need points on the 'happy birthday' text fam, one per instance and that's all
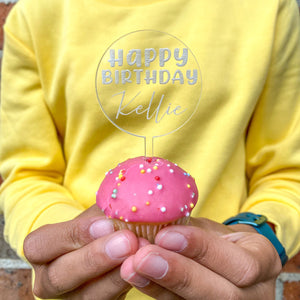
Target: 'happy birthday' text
(139, 62)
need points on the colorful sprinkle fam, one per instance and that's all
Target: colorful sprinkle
(157, 178)
(141, 166)
(155, 167)
(121, 173)
(149, 159)
(150, 192)
(187, 214)
(121, 218)
(115, 191)
(193, 195)
(159, 186)
(192, 205)
(133, 209)
(181, 209)
(123, 178)
(147, 203)
(114, 194)
(171, 171)
(163, 209)
(149, 170)
(188, 186)
(143, 171)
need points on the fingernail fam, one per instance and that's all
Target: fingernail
(101, 228)
(154, 266)
(173, 241)
(137, 280)
(118, 247)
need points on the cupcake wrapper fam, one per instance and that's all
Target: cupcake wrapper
(147, 231)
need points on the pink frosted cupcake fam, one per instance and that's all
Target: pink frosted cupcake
(146, 194)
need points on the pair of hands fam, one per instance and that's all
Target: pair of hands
(86, 259)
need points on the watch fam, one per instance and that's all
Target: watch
(259, 223)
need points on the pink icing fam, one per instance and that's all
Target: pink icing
(147, 190)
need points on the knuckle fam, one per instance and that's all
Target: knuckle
(273, 266)
(29, 247)
(166, 295)
(117, 281)
(234, 294)
(82, 296)
(77, 232)
(55, 286)
(74, 233)
(183, 284)
(32, 246)
(276, 264)
(37, 287)
(89, 297)
(92, 259)
(201, 253)
(252, 271)
(39, 290)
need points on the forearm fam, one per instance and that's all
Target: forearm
(31, 156)
(272, 141)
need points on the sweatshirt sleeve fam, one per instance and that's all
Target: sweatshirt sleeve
(31, 156)
(273, 140)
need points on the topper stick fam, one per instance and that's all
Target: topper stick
(148, 146)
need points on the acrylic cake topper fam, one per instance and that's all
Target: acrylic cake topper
(148, 84)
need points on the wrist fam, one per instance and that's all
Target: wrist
(260, 224)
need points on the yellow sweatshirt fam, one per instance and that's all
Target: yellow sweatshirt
(148, 63)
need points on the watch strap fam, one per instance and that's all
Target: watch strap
(259, 223)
